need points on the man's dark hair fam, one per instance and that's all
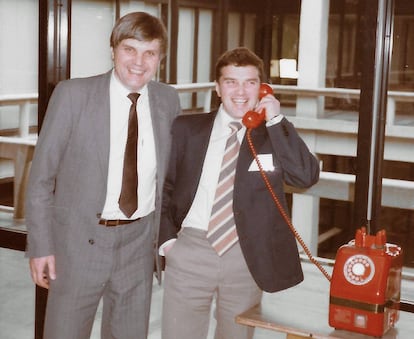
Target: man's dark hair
(140, 26)
(240, 56)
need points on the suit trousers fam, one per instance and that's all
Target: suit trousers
(194, 276)
(117, 267)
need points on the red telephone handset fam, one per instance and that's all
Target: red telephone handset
(253, 119)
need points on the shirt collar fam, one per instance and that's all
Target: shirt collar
(224, 118)
(122, 90)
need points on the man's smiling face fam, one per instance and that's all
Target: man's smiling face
(136, 62)
(238, 88)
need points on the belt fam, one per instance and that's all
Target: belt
(116, 222)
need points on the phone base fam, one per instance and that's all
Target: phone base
(365, 286)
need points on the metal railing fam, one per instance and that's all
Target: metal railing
(24, 100)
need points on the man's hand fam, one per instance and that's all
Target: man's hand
(271, 106)
(42, 269)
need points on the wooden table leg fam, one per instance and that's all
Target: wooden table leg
(40, 310)
(294, 336)
(21, 174)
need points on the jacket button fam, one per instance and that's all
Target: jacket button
(91, 241)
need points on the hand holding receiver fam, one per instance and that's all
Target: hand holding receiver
(253, 119)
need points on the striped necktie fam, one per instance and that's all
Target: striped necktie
(222, 233)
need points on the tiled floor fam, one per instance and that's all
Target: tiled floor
(17, 296)
(17, 300)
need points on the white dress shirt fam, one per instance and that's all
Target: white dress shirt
(119, 112)
(199, 214)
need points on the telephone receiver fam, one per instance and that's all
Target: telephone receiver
(253, 119)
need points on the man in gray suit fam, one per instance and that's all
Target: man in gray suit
(82, 247)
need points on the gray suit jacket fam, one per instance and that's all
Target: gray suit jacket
(67, 184)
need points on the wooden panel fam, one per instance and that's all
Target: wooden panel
(21, 151)
(12, 239)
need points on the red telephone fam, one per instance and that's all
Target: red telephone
(253, 119)
(366, 284)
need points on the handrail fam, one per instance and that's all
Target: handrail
(208, 87)
(28, 141)
(24, 100)
(334, 92)
(15, 99)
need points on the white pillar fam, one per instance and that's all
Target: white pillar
(305, 218)
(313, 40)
(24, 119)
(313, 37)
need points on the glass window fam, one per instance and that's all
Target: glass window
(18, 64)
(18, 119)
(92, 23)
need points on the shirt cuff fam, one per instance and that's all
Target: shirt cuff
(275, 120)
(161, 249)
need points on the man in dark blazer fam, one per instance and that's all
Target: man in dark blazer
(265, 256)
(81, 245)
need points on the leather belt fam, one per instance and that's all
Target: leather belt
(116, 222)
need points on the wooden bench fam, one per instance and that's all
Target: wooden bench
(301, 323)
(20, 150)
(303, 312)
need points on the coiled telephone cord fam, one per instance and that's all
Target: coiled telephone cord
(282, 210)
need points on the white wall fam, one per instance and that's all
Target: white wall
(18, 46)
(18, 55)
(92, 23)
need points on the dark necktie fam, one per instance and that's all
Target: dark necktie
(222, 233)
(128, 199)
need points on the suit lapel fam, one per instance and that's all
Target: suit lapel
(199, 139)
(258, 136)
(160, 125)
(100, 120)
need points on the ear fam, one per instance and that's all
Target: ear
(218, 89)
(112, 53)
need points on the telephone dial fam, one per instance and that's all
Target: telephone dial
(366, 279)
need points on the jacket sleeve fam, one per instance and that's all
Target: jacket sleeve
(168, 229)
(50, 147)
(300, 167)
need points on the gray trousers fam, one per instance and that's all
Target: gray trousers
(119, 269)
(194, 275)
